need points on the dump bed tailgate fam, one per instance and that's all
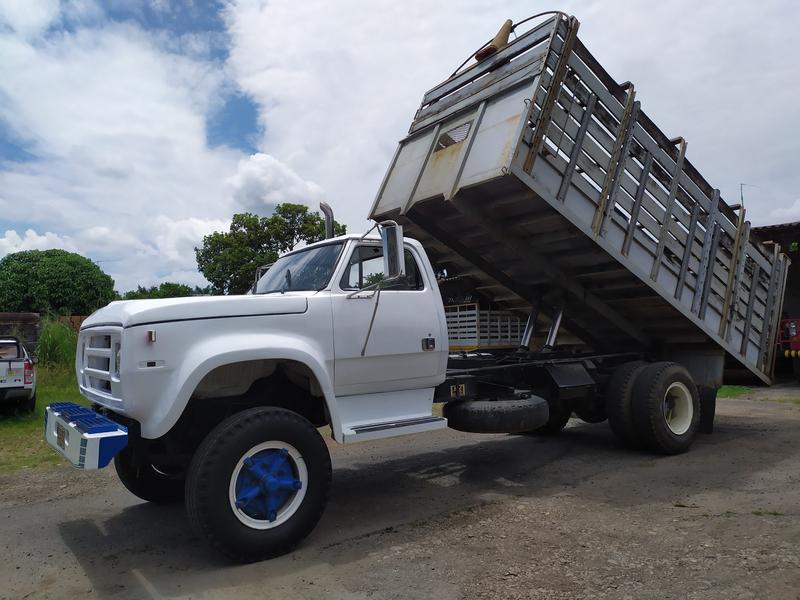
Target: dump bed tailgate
(537, 175)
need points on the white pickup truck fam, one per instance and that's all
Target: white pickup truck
(531, 174)
(17, 375)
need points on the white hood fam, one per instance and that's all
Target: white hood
(128, 313)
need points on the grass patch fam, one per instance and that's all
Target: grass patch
(22, 442)
(768, 513)
(732, 391)
(57, 343)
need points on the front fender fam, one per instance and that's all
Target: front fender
(209, 354)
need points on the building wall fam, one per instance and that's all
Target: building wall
(788, 236)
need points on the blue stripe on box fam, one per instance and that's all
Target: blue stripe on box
(109, 448)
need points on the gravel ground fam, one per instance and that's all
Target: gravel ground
(451, 515)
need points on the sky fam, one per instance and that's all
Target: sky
(131, 129)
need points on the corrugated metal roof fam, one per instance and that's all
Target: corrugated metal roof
(778, 227)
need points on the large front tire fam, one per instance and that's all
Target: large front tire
(258, 483)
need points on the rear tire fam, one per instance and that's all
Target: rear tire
(590, 409)
(666, 408)
(618, 402)
(144, 481)
(27, 406)
(796, 369)
(258, 483)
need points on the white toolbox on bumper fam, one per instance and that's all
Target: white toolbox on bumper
(84, 437)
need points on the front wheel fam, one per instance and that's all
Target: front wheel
(258, 483)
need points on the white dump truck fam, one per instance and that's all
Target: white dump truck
(530, 175)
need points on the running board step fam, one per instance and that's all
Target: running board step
(373, 431)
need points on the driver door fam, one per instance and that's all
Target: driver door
(398, 354)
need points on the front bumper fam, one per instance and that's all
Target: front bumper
(84, 437)
(17, 393)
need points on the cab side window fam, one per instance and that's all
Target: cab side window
(366, 268)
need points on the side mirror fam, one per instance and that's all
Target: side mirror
(394, 264)
(259, 274)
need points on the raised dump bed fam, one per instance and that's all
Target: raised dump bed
(538, 175)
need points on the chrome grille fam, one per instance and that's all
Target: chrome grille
(98, 368)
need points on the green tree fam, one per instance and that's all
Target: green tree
(229, 259)
(163, 290)
(53, 281)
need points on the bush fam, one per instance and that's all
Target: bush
(163, 290)
(53, 282)
(57, 344)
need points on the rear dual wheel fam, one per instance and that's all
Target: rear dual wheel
(655, 406)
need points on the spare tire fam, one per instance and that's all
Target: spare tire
(559, 413)
(497, 416)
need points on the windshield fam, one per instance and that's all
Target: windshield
(308, 270)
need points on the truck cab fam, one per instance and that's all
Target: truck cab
(320, 317)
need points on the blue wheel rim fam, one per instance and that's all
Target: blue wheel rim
(266, 483)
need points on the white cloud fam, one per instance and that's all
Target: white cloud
(262, 181)
(28, 18)
(30, 240)
(116, 118)
(176, 239)
(784, 214)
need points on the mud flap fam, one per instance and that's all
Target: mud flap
(708, 407)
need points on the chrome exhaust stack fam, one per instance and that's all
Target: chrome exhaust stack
(328, 212)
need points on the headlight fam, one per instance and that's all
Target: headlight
(792, 328)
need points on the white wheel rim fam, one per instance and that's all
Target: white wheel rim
(293, 502)
(678, 408)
